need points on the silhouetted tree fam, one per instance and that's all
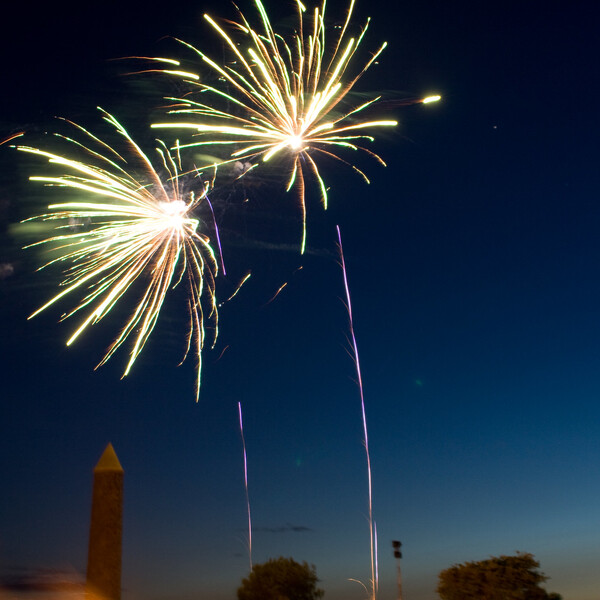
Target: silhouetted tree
(280, 579)
(497, 578)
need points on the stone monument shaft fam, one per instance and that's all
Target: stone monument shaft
(104, 553)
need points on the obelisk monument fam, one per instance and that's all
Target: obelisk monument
(104, 554)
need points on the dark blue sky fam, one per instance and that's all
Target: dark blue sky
(474, 268)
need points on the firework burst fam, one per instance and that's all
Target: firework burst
(130, 233)
(280, 97)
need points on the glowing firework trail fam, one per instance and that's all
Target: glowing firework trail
(281, 98)
(282, 287)
(376, 557)
(130, 233)
(277, 293)
(372, 529)
(246, 485)
(11, 137)
(238, 288)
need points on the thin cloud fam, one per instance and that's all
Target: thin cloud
(25, 580)
(284, 529)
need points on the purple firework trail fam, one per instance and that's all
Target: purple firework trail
(246, 485)
(372, 529)
(217, 235)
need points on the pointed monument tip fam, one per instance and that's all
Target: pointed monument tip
(108, 461)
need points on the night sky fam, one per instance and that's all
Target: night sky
(474, 267)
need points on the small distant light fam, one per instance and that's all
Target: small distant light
(431, 99)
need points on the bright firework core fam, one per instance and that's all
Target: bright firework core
(175, 208)
(295, 142)
(177, 211)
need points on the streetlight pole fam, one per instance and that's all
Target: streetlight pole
(398, 555)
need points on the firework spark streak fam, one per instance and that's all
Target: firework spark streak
(130, 234)
(246, 485)
(11, 137)
(281, 98)
(372, 529)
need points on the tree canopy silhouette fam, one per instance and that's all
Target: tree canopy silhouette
(496, 578)
(280, 579)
